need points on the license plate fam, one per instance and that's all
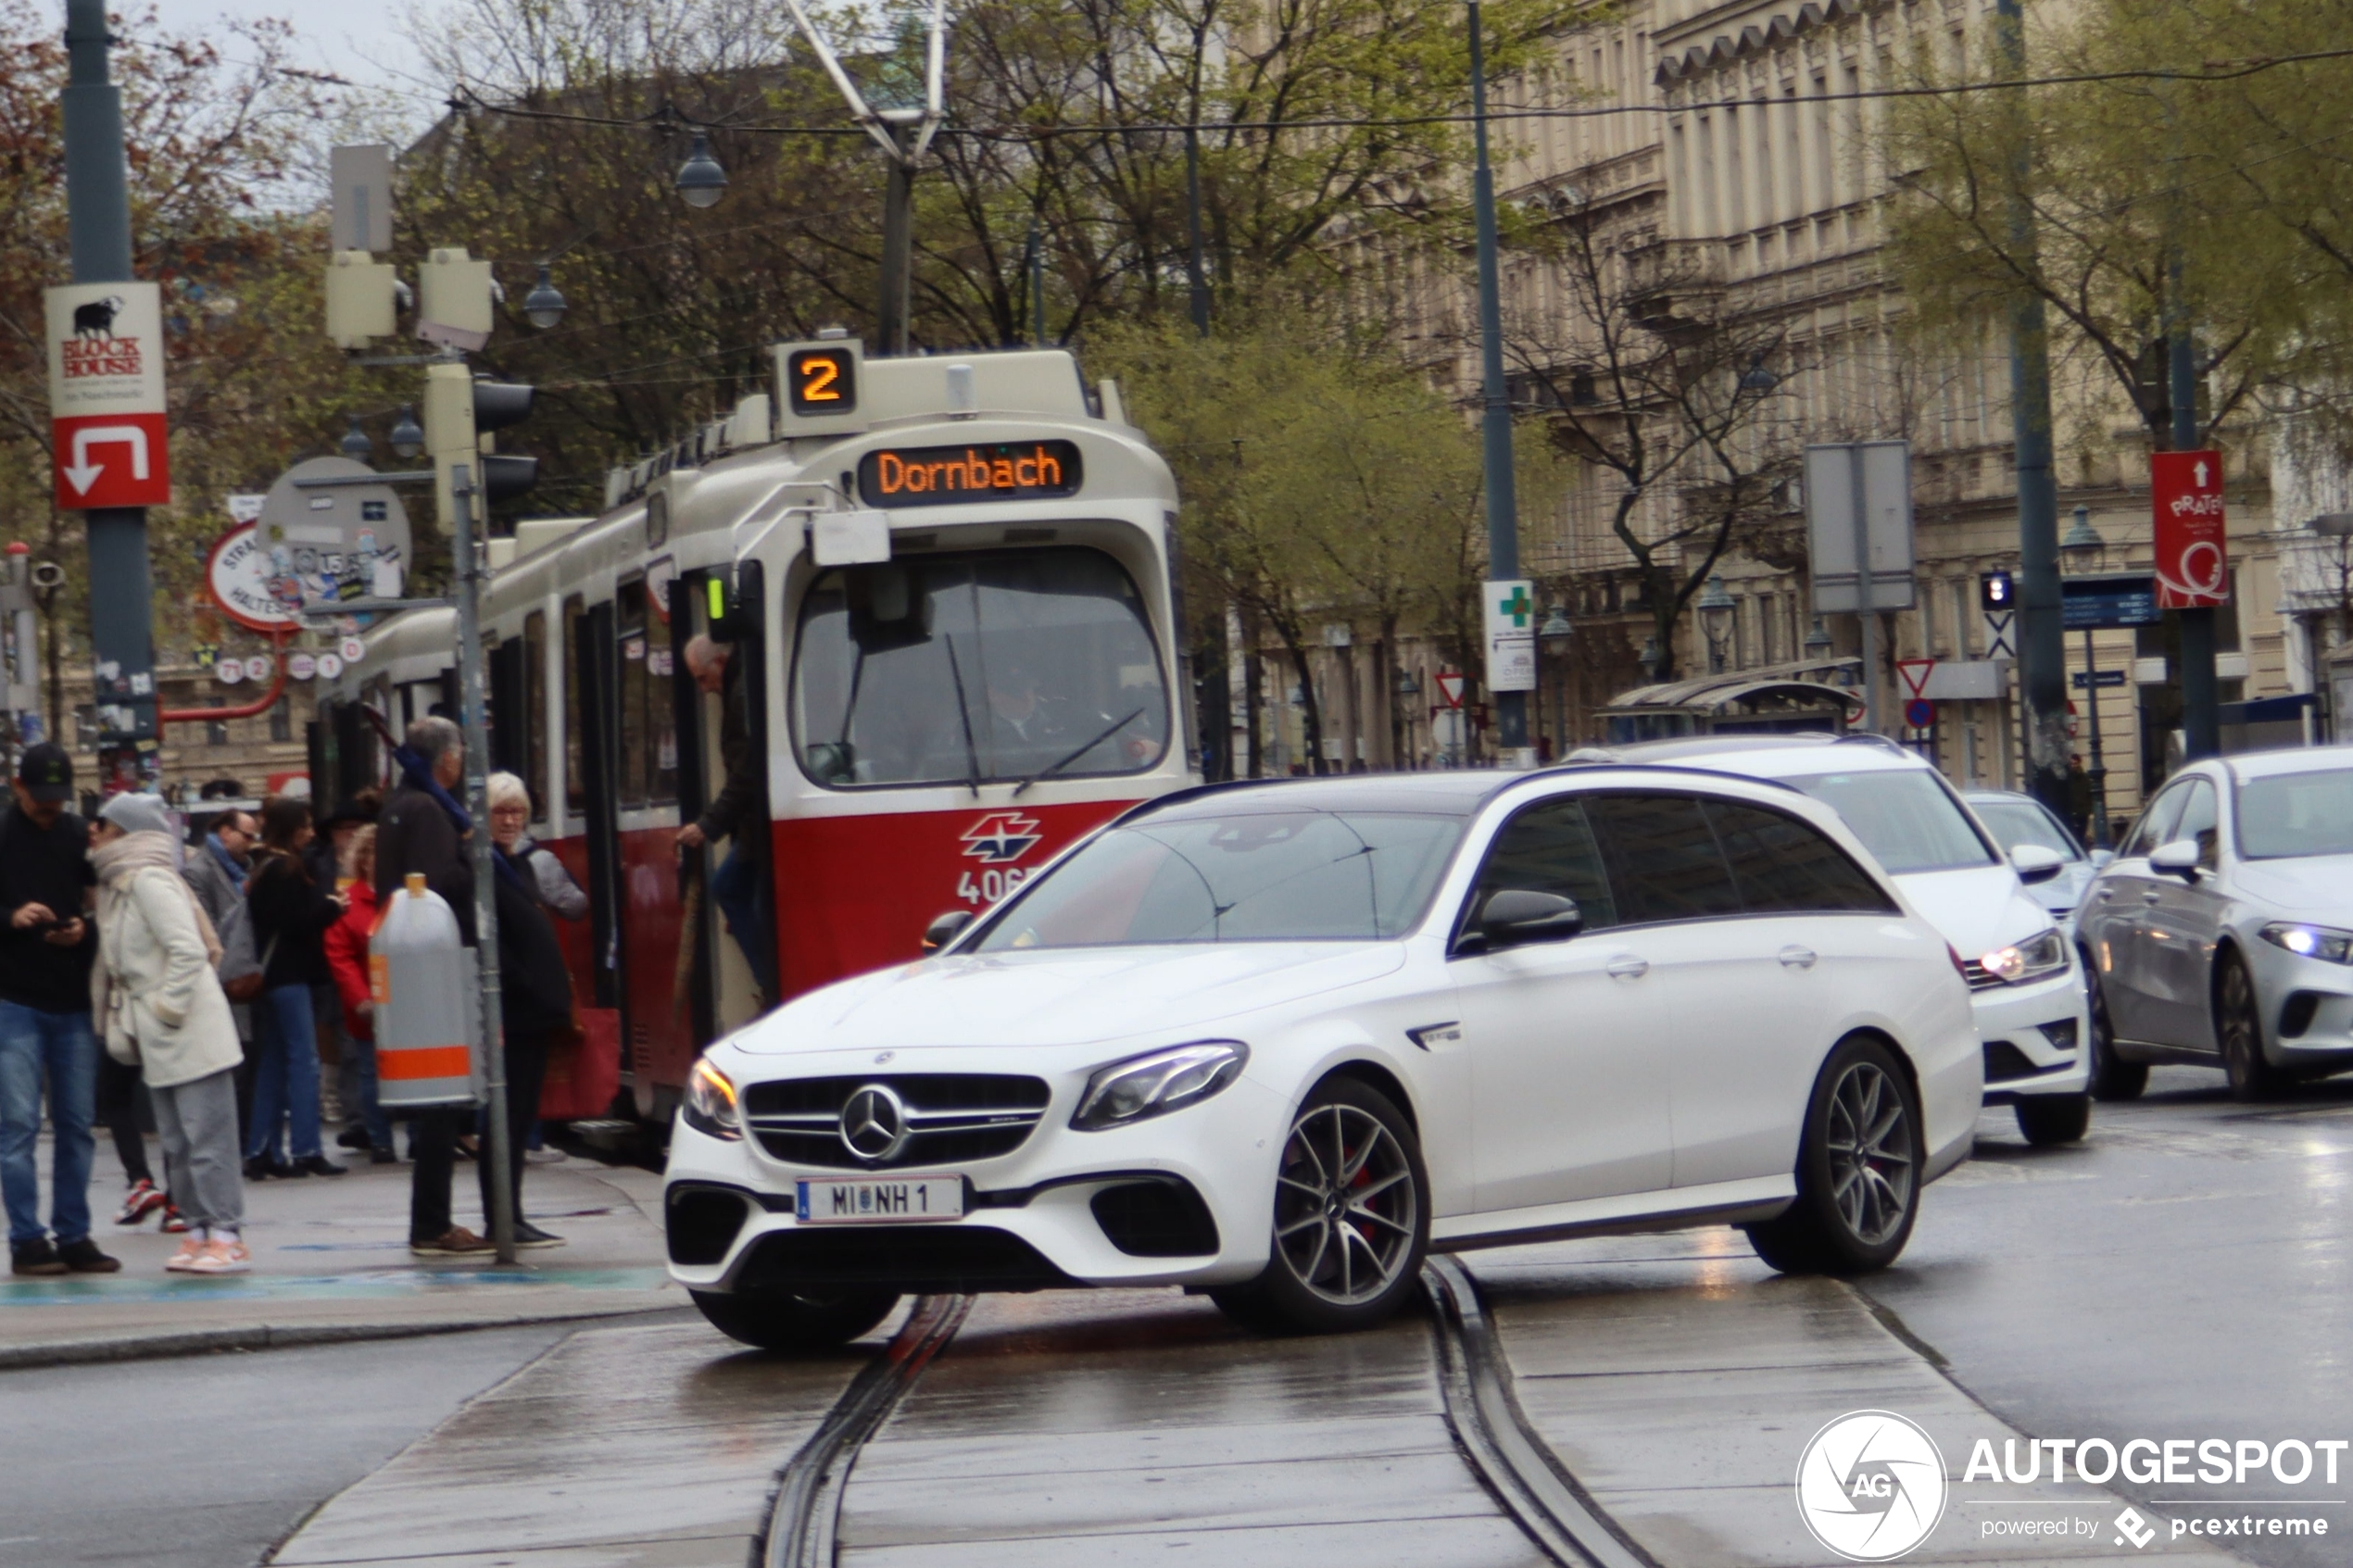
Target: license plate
(868, 1202)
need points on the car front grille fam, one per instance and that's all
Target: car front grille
(952, 1118)
(1979, 978)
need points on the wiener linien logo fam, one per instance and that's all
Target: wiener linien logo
(1871, 1485)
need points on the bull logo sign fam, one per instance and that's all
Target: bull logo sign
(2192, 559)
(108, 436)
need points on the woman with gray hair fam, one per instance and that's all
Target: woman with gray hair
(510, 830)
(156, 1002)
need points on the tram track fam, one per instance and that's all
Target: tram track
(1501, 1443)
(1482, 1415)
(807, 1505)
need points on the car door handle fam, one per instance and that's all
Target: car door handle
(1630, 966)
(1795, 957)
(2154, 896)
(2107, 894)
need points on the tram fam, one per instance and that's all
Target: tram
(947, 587)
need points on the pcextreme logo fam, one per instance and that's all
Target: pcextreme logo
(1871, 1485)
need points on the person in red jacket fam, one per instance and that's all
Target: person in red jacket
(348, 962)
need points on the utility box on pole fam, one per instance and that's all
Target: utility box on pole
(454, 299)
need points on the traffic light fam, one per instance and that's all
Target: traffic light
(460, 412)
(1996, 592)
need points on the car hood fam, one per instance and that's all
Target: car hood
(2318, 886)
(1067, 997)
(1977, 909)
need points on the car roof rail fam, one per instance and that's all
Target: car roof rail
(1872, 737)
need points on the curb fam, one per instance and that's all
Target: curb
(267, 1336)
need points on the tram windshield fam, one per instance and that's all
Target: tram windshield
(976, 667)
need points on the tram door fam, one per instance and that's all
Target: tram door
(726, 994)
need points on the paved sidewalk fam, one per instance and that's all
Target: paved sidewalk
(331, 1262)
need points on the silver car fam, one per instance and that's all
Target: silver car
(2223, 933)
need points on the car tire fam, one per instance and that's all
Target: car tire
(2238, 1028)
(1858, 1169)
(1350, 1219)
(2113, 1078)
(2044, 1120)
(796, 1324)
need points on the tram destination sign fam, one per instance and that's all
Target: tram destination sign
(943, 476)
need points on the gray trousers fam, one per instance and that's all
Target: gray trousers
(197, 1122)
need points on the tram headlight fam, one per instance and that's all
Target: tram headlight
(710, 1106)
(1155, 1085)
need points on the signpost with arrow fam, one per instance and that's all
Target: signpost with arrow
(106, 396)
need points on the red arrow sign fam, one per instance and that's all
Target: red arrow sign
(111, 460)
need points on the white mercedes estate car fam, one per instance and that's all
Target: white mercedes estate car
(2031, 1011)
(1273, 1041)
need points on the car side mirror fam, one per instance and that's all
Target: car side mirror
(1514, 916)
(2177, 858)
(2036, 863)
(945, 929)
(2103, 858)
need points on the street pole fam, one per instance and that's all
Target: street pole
(98, 220)
(1035, 260)
(472, 713)
(1502, 500)
(2098, 773)
(1196, 272)
(890, 320)
(2201, 719)
(2042, 635)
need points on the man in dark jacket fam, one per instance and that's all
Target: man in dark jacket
(46, 947)
(416, 834)
(534, 1015)
(735, 812)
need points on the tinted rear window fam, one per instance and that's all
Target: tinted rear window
(1784, 866)
(1663, 862)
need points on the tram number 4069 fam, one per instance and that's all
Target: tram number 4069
(988, 886)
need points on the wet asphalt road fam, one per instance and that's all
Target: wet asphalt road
(2187, 1272)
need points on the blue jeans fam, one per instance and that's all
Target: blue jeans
(286, 1080)
(58, 1046)
(735, 887)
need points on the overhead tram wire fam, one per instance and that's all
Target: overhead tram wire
(2228, 70)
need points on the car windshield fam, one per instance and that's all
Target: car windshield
(2019, 822)
(2292, 814)
(1276, 875)
(968, 667)
(1903, 816)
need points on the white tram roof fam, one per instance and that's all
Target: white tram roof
(742, 474)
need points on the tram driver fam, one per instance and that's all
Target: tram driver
(733, 812)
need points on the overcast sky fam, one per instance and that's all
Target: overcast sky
(359, 39)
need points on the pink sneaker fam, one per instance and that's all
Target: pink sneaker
(192, 1246)
(222, 1258)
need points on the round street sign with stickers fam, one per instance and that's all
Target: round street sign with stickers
(257, 667)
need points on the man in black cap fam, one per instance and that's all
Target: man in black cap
(46, 946)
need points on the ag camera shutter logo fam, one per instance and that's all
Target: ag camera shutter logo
(1871, 1485)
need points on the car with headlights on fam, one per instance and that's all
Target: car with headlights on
(2028, 994)
(2223, 933)
(1273, 1041)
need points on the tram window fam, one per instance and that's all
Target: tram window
(534, 700)
(977, 666)
(575, 770)
(629, 626)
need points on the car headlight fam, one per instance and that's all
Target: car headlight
(2311, 941)
(2041, 954)
(710, 1106)
(1155, 1085)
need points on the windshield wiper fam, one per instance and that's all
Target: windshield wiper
(1052, 767)
(964, 715)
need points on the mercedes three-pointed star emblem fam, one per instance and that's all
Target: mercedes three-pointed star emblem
(874, 1124)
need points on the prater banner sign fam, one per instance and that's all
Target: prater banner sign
(2193, 566)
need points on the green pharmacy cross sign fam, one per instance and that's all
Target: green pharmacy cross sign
(1517, 605)
(1511, 639)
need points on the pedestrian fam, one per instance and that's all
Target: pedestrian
(291, 914)
(159, 1005)
(535, 1014)
(45, 952)
(346, 946)
(217, 869)
(417, 834)
(118, 1100)
(558, 895)
(733, 812)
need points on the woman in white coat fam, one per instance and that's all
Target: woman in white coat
(157, 1001)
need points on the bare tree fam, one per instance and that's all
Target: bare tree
(1648, 373)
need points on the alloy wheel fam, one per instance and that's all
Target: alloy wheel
(1344, 1205)
(1872, 1169)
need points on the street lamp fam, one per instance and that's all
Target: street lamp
(355, 443)
(1715, 609)
(1756, 378)
(2083, 546)
(408, 435)
(544, 305)
(701, 180)
(1650, 657)
(1554, 636)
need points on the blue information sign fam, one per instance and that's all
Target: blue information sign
(2086, 679)
(2110, 599)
